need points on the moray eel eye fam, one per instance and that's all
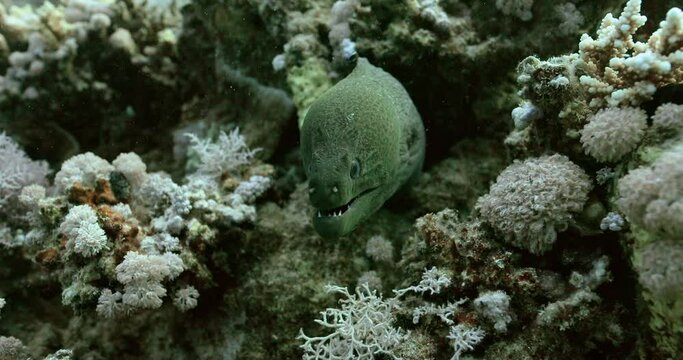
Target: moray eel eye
(355, 169)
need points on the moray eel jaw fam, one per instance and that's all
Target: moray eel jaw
(343, 219)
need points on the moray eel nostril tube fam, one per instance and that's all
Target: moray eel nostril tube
(360, 142)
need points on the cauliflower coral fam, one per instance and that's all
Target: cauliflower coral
(612, 133)
(533, 200)
(660, 268)
(652, 196)
(668, 118)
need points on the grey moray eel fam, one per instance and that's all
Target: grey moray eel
(361, 141)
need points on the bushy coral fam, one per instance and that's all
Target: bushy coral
(652, 196)
(61, 354)
(16, 171)
(494, 305)
(84, 234)
(142, 275)
(660, 273)
(570, 18)
(109, 304)
(534, 199)
(84, 168)
(660, 268)
(668, 118)
(132, 167)
(614, 132)
(128, 224)
(12, 348)
(371, 279)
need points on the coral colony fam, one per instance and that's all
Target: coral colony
(155, 200)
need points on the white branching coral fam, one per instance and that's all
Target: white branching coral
(533, 200)
(84, 234)
(17, 170)
(159, 243)
(652, 196)
(614, 132)
(235, 208)
(433, 280)
(142, 276)
(620, 71)
(84, 168)
(464, 338)
(229, 152)
(444, 312)
(186, 298)
(361, 328)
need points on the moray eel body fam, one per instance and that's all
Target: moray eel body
(360, 142)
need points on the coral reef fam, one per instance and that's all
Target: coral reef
(153, 202)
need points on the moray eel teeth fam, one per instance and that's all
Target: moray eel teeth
(341, 210)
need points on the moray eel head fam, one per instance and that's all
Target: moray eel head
(349, 170)
(361, 141)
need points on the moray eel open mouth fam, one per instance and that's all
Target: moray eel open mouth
(341, 210)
